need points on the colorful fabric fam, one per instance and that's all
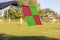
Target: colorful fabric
(31, 15)
(33, 10)
(26, 10)
(30, 20)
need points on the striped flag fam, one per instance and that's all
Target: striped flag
(31, 15)
(6, 4)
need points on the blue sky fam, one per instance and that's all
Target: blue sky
(4, 0)
(52, 4)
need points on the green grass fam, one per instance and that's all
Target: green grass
(47, 29)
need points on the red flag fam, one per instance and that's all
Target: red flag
(31, 15)
(26, 10)
(37, 20)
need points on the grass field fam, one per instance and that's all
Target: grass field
(47, 29)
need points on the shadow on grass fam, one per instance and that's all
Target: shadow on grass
(10, 37)
(57, 28)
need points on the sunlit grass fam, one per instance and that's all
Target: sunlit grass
(47, 29)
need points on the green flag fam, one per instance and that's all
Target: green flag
(30, 20)
(33, 10)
